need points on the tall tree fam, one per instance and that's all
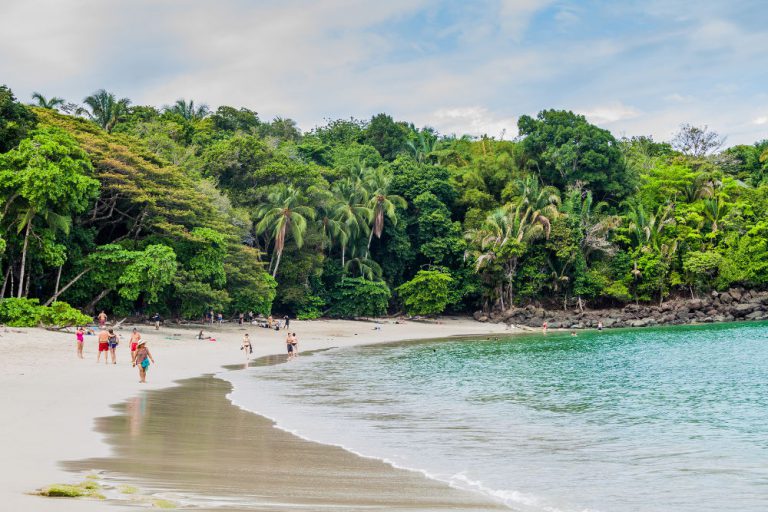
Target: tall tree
(44, 102)
(188, 110)
(105, 109)
(15, 120)
(381, 202)
(46, 178)
(284, 214)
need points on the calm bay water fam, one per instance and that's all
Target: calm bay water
(672, 420)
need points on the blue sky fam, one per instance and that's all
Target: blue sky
(636, 68)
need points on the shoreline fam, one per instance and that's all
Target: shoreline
(51, 398)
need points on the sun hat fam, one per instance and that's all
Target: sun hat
(140, 343)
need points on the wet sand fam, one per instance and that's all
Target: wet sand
(189, 444)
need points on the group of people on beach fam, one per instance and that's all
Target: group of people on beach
(108, 341)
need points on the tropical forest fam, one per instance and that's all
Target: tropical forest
(180, 209)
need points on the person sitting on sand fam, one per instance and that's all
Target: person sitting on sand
(142, 358)
(102, 319)
(103, 346)
(134, 341)
(113, 341)
(80, 336)
(246, 346)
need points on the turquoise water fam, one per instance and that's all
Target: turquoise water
(671, 419)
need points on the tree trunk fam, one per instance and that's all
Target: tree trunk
(277, 263)
(5, 281)
(58, 280)
(26, 286)
(24, 258)
(370, 239)
(343, 254)
(91, 307)
(66, 287)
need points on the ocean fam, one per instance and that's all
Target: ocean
(669, 419)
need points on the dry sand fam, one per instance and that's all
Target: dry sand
(50, 398)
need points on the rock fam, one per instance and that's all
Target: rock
(682, 313)
(477, 314)
(735, 293)
(726, 298)
(757, 315)
(741, 310)
(695, 304)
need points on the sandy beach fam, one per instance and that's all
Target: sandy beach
(51, 399)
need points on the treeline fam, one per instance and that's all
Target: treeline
(180, 209)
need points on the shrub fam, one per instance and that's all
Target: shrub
(20, 312)
(28, 313)
(428, 293)
(61, 314)
(356, 296)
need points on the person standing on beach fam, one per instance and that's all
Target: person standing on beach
(544, 327)
(212, 316)
(113, 339)
(220, 318)
(103, 346)
(156, 319)
(135, 339)
(142, 358)
(287, 321)
(289, 345)
(246, 346)
(241, 319)
(102, 319)
(80, 335)
(295, 344)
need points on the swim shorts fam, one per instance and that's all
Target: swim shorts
(113, 345)
(134, 346)
(290, 348)
(103, 347)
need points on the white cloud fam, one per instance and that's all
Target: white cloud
(760, 120)
(475, 121)
(609, 113)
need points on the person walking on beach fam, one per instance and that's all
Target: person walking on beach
(295, 344)
(212, 316)
(287, 321)
(241, 319)
(102, 319)
(156, 319)
(103, 346)
(80, 336)
(135, 339)
(270, 321)
(142, 358)
(289, 345)
(113, 339)
(220, 318)
(246, 346)
(544, 327)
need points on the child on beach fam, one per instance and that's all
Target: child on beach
(142, 358)
(80, 335)
(103, 346)
(246, 346)
(135, 339)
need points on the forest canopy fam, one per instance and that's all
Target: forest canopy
(179, 209)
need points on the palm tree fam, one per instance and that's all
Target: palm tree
(51, 103)
(501, 241)
(647, 229)
(188, 110)
(351, 212)
(284, 214)
(106, 109)
(715, 211)
(422, 148)
(595, 226)
(381, 202)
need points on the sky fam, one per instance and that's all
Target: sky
(474, 67)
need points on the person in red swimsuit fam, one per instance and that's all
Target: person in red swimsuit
(103, 345)
(135, 338)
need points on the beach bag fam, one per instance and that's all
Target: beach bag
(145, 363)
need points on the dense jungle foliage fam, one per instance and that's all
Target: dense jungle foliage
(137, 209)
